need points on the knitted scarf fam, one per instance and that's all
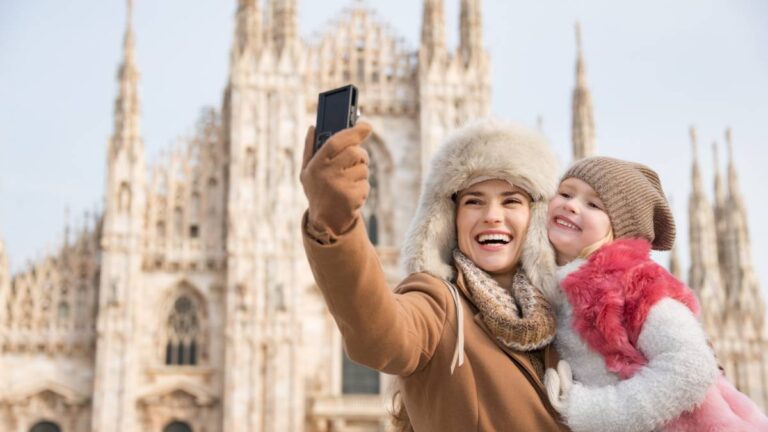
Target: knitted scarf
(520, 318)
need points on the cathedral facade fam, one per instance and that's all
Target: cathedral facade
(187, 304)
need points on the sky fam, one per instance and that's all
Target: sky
(654, 68)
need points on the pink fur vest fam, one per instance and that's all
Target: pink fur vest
(611, 296)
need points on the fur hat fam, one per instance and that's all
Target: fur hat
(484, 149)
(633, 198)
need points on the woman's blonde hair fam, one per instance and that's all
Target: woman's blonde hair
(589, 250)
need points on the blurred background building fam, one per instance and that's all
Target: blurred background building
(187, 305)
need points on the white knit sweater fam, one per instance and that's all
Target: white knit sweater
(681, 367)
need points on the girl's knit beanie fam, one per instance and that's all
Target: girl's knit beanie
(633, 198)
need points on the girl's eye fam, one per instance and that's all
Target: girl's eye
(594, 206)
(472, 201)
(565, 195)
(512, 201)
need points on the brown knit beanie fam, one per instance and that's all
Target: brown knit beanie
(632, 196)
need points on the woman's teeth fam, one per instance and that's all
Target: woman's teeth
(494, 238)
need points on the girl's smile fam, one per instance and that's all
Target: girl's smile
(577, 219)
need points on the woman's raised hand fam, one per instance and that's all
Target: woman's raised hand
(335, 179)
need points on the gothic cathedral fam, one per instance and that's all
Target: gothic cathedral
(187, 304)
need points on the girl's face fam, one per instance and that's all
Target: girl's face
(491, 222)
(577, 219)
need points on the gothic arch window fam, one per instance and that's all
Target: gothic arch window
(250, 162)
(196, 205)
(45, 426)
(177, 426)
(183, 332)
(372, 226)
(63, 312)
(27, 309)
(160, 228)
(358, 379)
(178, 222)
(212, 195)
(373, 202)
(194, 226)
(124, 198)
(379, 167)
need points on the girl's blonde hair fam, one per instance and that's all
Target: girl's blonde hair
(589, 250)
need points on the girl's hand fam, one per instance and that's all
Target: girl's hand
(558, 384)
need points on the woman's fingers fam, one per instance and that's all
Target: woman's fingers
(350, 157)
(335, 178)
(309, 146)
(357, 173)
(353, 136)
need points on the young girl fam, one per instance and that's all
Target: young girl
(627, 328)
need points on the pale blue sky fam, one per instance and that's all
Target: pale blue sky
(654, 68)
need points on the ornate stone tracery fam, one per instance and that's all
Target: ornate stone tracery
(184, 339)
(43, 406)
(194, 279)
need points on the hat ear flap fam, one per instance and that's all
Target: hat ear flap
(538, 257)
(431, 238)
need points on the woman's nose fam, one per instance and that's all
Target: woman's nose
(494, 213)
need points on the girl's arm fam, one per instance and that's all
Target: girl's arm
(681, 367)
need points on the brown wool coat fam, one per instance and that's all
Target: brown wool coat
(412, 333)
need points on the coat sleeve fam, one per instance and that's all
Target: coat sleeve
(396, 333)
(680, 369)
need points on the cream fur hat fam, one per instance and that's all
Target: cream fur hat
(484, 149)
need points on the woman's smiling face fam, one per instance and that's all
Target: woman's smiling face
(492, 219)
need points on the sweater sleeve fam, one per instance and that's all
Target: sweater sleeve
(393, 332)
(680, 369)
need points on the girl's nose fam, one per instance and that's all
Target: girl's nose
(570, 206)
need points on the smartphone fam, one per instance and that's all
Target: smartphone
(336, 110)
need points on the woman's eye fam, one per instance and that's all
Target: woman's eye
(471, 202)
(512, 201)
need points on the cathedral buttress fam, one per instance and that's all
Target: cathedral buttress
(114, 381)
(741, 281)
(249, 31)
(746, 306)
(454, 88)
(471, 31)
(264, 113)
(721, 214)
(704, 272)
(433, 46)
(283, 28)
(582, 120)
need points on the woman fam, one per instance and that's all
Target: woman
(467, 332)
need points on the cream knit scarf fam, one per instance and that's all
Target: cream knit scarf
(520, 318)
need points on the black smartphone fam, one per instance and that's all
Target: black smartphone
(336, 110)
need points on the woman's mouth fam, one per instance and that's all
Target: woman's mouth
(492, 241)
